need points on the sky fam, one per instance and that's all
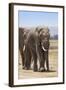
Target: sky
(34, 19)
(31, 19)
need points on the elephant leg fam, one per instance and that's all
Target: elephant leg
(34, 54)
(47, 61)
(42, 61)
(27, 56)
(22, 56)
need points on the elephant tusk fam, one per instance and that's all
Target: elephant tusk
(24, 48)
(44, 49)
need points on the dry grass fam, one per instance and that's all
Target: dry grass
(53, 65)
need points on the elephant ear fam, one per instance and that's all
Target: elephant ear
(47, 32)
(38, 29)
(43, 31)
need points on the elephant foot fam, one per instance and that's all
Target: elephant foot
(23, 67)
(35, 69)
(26, 68)
(42, 69)
(47, 70)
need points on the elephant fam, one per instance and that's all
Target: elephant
(44, 37)
(22, 37)
(34, 45)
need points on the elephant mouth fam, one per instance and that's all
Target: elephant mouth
(44, 49)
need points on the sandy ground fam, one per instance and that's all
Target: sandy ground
(53, 65)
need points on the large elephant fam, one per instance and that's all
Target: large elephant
(34, 45)
(44, 37)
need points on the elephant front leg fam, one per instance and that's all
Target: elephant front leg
(22, 57)
(42, 62)
(47, 60)
(27, 56)
(35, 61)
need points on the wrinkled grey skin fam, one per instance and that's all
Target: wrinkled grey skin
(34, 44)
(43, 48)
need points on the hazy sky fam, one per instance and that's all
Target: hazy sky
(34, 19)
(30, 19)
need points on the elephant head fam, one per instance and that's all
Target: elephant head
(44, 38)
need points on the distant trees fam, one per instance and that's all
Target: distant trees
(54, 37)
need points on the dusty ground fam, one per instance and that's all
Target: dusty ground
(53, 65)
